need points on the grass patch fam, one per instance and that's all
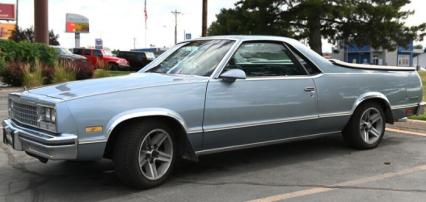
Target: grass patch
(423, 116)
(101, 73)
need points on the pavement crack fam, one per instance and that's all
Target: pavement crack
(299, 185)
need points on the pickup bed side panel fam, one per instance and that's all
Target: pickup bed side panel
(338, 93)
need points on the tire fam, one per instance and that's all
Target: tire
(136, 144)
(366, 127)
(113, 66)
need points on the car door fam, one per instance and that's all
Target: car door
(88, 54)
(276, 101)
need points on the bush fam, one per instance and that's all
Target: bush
(32, 76)
(27, 52)
(15, 58)
(83, 69)
(63, 72)
(12, 73)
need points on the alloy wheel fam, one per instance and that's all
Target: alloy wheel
(371, 125)
(155, 154)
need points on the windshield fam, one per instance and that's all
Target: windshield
(107, 53)
(195, 58)
(63, 51)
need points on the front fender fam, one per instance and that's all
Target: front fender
(144, 112)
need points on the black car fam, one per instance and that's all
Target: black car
(137, 60)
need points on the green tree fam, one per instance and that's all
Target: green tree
(251, 17)
(28, 35)
(379, 23)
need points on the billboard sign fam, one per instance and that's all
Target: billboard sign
(7, 11)
(76, 23)
(6, 30)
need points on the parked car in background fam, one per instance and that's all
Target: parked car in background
(210, 95)
(137, 60)
(157, 51)
(102, 57)
(66, 54)
(84, 69)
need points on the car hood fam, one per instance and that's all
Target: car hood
(112, 58)
(72, 56)
(77, 89)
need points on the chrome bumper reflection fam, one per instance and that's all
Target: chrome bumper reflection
(421, 108)
(62, 147)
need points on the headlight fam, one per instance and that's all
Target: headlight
(47, 118)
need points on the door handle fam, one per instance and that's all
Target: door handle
(310, 89)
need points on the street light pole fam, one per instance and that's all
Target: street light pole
(176, 13)
(204, 18)
(41, 21)
(17, 15)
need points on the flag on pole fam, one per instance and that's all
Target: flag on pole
(146, 14)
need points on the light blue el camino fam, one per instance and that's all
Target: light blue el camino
(210, 95)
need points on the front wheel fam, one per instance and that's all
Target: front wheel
(113, 66)
(144, 154)
(366, 127)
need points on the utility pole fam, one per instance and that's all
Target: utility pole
(176, 13)
(17, 15)
(41, 21)
(204, 18)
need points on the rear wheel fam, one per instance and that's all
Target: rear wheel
(144, 154)
(366, 127)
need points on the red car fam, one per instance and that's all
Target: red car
(102, 58)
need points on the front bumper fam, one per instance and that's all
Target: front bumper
(420, 108)
(40, 144)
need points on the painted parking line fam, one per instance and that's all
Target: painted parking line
(405, 132)
(316, 190)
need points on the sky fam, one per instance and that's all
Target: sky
(121, 25)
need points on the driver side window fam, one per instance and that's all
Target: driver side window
(265, 59)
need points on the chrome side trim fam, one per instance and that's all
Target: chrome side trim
(274, 121)
(195, 130)
(257, 123)
(264, 143)
(335, 114)
(92, 141)
(404, 106)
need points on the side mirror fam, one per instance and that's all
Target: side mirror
(233, 74)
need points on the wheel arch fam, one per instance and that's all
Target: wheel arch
(378, 98)
(172, 118)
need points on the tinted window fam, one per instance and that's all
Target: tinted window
(77, 51)
(309, 66)
(97, 53)
(260, 59)
(86, 52)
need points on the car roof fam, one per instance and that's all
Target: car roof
(247, 38)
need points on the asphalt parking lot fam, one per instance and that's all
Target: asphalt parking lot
(316, 170)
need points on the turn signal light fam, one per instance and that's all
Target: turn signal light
(94, 129)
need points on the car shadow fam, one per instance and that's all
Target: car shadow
(81, 180)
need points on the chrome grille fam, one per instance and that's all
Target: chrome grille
(24, 113)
